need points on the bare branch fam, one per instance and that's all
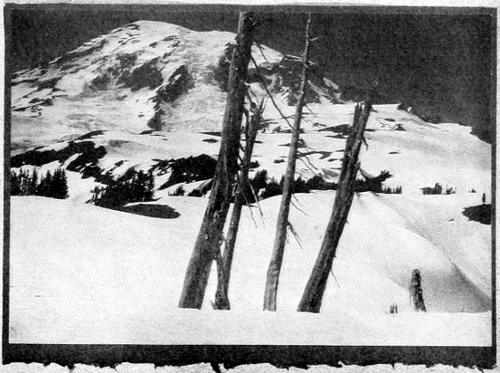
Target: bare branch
(334, 277)
(270, 95)
(295, 234)
(261, 51)
(298, 208)
(241, 191)
(297, 200)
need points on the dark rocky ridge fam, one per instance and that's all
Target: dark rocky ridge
(283, 77)
(146, 75)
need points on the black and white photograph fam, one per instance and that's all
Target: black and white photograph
(181, 175)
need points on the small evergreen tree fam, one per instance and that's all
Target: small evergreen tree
(133, 186)
(26, 184)
(24, 177)
(32, 183)
(43, 188)
(300, 186)
(195, 193)
(179, 191)
(15, 184)
(259, 180)
(150, 185)
(59, 184)
(272, 188)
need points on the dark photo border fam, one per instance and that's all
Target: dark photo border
(232, 355)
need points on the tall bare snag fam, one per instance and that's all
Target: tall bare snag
(224, 263)
(315, 288)
(209, 238)
(274, 269)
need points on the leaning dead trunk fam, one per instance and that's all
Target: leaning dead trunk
(315, 288)
(225, 262)
(274, 269)
(209, 238)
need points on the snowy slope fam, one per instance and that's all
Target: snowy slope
(418, 157)
(150, 94)
(89, 274)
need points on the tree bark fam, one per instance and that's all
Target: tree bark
(225, 263)
(274, 269)
(207, 245)
(315, 288)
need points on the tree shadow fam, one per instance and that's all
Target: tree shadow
(479, 213)
(151, 210)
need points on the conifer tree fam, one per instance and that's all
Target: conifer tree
(33, 181)
(15, 186)
(45, 185)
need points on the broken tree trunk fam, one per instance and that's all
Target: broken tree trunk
(210, 236)
(315, 288)
(416, 294)
(225, 262)
(274, 269)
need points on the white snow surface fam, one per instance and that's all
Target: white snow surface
(93, 275)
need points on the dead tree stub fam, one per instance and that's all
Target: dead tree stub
(416, 294)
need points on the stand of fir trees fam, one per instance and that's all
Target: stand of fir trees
(133, 186)
(52, 184)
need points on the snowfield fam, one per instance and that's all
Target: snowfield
(93, 275)
(149, 94)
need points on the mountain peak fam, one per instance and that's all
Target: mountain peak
(151, 75)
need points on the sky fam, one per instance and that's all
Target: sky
(440, 64)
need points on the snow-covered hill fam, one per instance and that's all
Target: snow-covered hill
(150, 95)
(93, 275)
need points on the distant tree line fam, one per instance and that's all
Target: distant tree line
(133, 186)
(52, 184)
(265, 187)
(179, 191)
(438, 189)
(261, 186)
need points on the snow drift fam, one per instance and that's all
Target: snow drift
(102, 276)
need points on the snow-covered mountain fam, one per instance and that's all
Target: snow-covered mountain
(141, 88)
(149, 92)
(149, 95)
(145, 75)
